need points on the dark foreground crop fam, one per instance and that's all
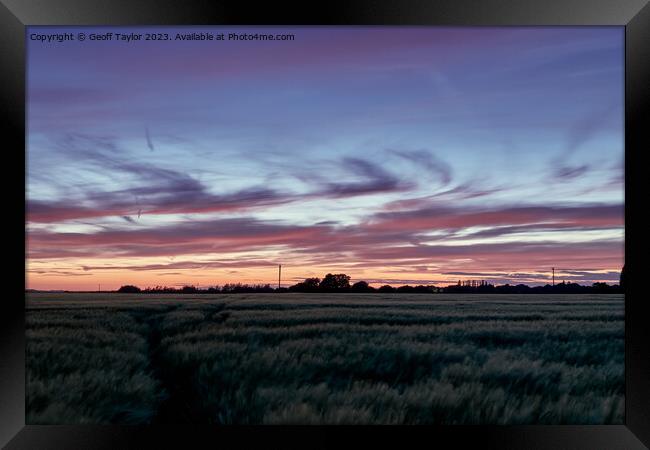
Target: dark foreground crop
(325, 358)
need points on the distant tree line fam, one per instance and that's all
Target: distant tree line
(341, 283)
(559, 288)
(229, 288)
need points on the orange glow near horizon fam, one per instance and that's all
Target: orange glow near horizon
(55, 278)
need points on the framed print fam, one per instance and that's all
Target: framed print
(258, 225)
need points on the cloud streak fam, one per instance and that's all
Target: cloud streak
(446, 217)
(374, 180)
(152, 200)
(378, 241)
(159, 190)
(423, 159)
(570, 172)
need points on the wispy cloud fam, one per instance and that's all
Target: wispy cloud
(427, 161)
(446, 217)
(154, 189)
(374, 180)
(589, 125)
(570, 172)
(148, 137)
(185, 265)
(388, 239)
(153, 200)
(444, 198)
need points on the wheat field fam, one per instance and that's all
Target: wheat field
(288, 358)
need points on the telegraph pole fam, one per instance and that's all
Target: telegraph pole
(553, 276)
(279, 275)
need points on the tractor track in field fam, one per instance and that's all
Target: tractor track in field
(181, 402)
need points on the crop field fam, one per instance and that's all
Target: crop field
(325, 359)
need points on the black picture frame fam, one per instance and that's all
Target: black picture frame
(634, 15)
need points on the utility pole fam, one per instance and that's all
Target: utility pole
(99, 287)
(279, 275)
(553, 276)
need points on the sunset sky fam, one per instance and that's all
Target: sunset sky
(395, 155)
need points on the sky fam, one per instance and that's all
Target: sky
(396, 155)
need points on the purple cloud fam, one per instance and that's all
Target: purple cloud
(423, 159)
(375, 180)
(570, 172)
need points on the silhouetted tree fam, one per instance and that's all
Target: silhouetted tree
(405, 289)
(231, 288)
(238, 288)
(129, 289)
(265, 288)
(336, 282)
(424, 289)
(189, 290)
(312, 282)
(602, 288)
(309, 285)
(386, 288)
(362, 286)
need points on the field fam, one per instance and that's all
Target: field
(325, 359)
